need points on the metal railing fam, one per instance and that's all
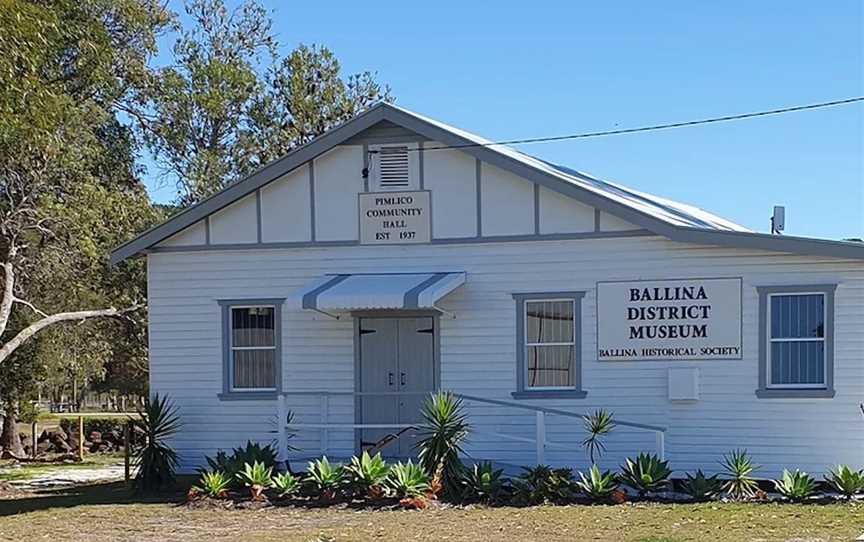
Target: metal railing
(540, 440)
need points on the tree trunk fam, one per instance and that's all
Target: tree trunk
(10, 438)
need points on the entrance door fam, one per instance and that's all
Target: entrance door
(397, 359)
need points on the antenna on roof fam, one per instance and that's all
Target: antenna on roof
(778, 220)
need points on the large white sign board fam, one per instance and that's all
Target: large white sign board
(391, 218)
(669, 319)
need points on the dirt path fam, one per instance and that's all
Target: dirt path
(67, 477)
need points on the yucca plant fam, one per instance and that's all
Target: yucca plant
(646, 474)
(257, 477)
(542, 484)
(285, 485)
(408, 480)
(213, 484)
(701, 487)
(325, 478)
(846, 481)
(483, 483)
(251, 453)
(442, 433)
(156, 461)
(598, 424)
(597, 485)
(739, 468)
(369, 473)
(795, 485)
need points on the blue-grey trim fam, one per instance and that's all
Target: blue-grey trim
(763, 391)
(394, 115)
(536, 209)
(596, 219)
(522, 391)
(207, 230)
(478, 173)
(412, 296)
(256, 395)
(366, 167)
(421, 166)
(258, 217)
(310, 298)
(312, 233)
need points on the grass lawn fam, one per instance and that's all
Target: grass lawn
(9, 471)
(109, 512)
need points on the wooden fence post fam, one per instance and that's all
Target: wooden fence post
(126, 452)
(34, 434)
(80, 438)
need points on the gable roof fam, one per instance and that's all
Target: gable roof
(671, 219)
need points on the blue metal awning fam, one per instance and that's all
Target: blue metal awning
(347, 292)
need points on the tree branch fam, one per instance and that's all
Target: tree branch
(8, 294)
(34, 328)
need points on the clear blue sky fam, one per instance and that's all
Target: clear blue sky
(513, 70)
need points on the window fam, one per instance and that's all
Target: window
(252, 354)
(393, 167)
(796, 351)
(548, 342)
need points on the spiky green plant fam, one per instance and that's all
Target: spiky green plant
(739, 468)
(598, 425)
(408, 480)
(325, 478)
(646, 474)
(795, 485)
(257, 477)
(369, 473)
(701, 487)
(156, 461)
(483, 483)
(597, 485)
(285, 485)
(846, 481)
(251, 453)
(442, 434)
(213, 484)
(543, 484)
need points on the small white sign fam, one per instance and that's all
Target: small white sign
(392, 218)
(684, 319)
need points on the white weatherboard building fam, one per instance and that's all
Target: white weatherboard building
(395, 255)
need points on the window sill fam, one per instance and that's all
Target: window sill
(248, 396)
(549, 394)
(795, 394)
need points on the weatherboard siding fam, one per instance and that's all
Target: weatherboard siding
(478, 350)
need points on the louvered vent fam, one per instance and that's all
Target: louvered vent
(393, 168)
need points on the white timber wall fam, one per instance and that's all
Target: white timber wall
(478, 350)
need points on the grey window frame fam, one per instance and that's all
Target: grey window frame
(524, 392)
(228, 392)
(765, 389)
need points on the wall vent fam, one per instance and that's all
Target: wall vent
(394, 171)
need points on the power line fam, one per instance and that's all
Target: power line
(651, 127)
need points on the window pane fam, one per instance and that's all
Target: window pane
(549, 321)
(797, 316)
(254, 369)
(798, 362)
(549, 366)
(252, 326)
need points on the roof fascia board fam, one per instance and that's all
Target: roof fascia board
(774, 243)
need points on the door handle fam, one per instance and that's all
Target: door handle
(402, 379)
(389, 379)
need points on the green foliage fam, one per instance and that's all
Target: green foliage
(846, 481)
(156, 461)
(256, 474)
(739, 468)
(483, 483)
(597, 485)
(795, 485)
(646, 474)
(598, 425)
(701, 487)
(324, 477)
(368, 472)
(251, 453)
(408, 480)
(543, 484)
(442, 433)
(213, 484)
(285, 484)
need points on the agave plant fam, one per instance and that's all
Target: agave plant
(442, 433)
(325, 478)
(701, 487)
(846, 481)
(156, 461)
(213, 484)
(408, 480)
(285, 485)
(543, 484)
(369, 473)
(251, 453)
(598, 424)
(795, 485)
(257, 477)
(646, 474)
(483, 483)
(597, 485)
(739, 468)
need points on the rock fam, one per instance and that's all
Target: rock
(95, 436)
(44, 446)
(61, 446)
(58, 433)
